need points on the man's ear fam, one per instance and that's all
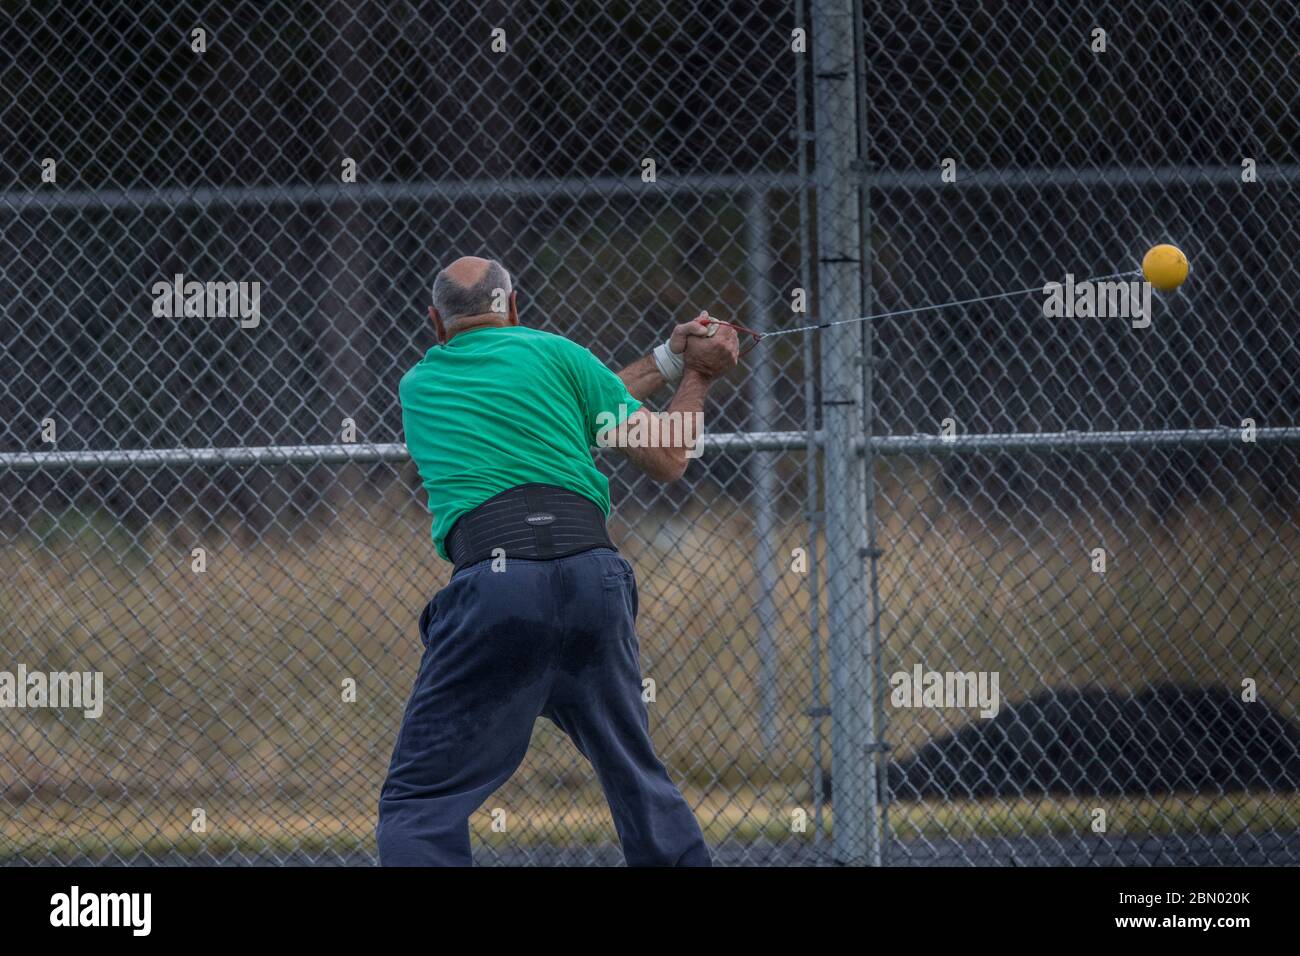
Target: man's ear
(439, 329)
(512, 309)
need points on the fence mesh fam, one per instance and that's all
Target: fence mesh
(631, 164)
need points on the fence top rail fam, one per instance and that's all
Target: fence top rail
(19, 201)
(368, 453)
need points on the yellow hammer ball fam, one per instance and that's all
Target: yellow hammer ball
(1164, 266)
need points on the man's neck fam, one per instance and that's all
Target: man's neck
(468, 323)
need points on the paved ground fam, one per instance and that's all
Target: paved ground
(1180, 850)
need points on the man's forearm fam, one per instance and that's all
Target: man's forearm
(690, 394)
(688, 400)
(666, 458)
(646, 375)
(643, 378)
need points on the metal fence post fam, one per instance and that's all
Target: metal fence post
(758, 256)
(877, 748)
(840, 294)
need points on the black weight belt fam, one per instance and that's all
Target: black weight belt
(528, 521)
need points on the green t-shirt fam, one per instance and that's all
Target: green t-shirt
(498, 407)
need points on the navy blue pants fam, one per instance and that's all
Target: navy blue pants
(555, 639)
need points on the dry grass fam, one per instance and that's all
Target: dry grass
(225, 688)
(63, 830)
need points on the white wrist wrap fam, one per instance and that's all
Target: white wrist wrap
(670, 364)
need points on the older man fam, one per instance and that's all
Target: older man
(539, 616)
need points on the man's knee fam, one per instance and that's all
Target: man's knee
(696, 855)
(409, 835)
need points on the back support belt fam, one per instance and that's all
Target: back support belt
(528, 521)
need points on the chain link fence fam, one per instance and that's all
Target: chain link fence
(215, 513)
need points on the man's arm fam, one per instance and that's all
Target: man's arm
(665, 459)
(643, 378)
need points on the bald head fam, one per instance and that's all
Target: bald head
(471, 286)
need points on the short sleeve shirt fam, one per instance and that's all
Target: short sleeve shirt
(498, 407)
